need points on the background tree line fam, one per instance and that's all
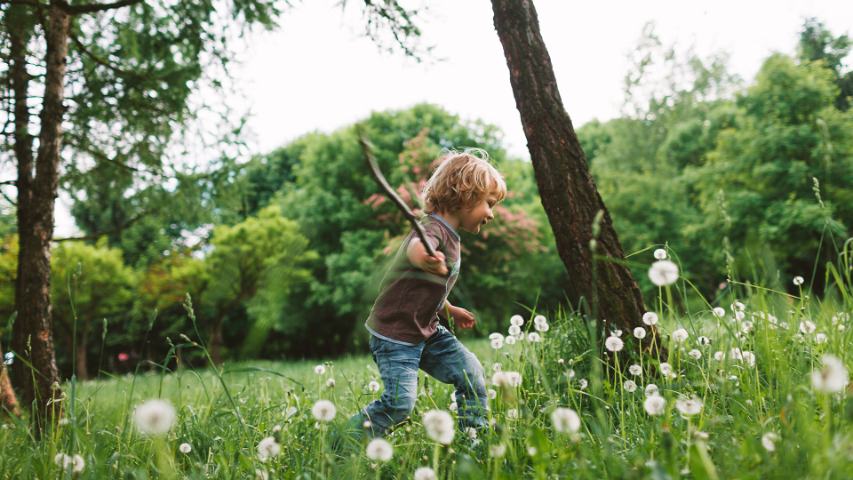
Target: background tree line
(281, 253)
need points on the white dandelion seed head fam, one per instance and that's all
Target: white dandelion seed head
(688, 406)
(514, 330)
(324, 410)
(660, 254)
(425, 473)
(719, 312)
(663, 273)
(534, 337)
(453, 407)
(740, 315)
(542, 327)
(614, 344)
(261, 474)
(680, 335)
(635, 370)
(746, 327)
(820, 337)
(640, 333)
(373, 386)
(719, 356)
(616, 333)
(565, 420)
(291, 411)
(630, 386)
(807, 327)
(651, 389)
(379, 450)
(495, 335)
(832, 376)
(570, 373)
(516, 321)
(738, 306)
(512, 413)
(320, 369)
(185, 448)
(703, 340)
(496, 367)
(531, 451)
(155, 417)
(650, 318)
(510, 340)
(268, 448)
(798, 280)
(748, 358)
(540, 320)
(492, 393)
(439, 426)
(497, 450)
(768, 441)
(654, 405)
(582, 384)
(471, 432)
(695, 354)
(330, 383)
(736, 354)
(665, 369)
(497, 343)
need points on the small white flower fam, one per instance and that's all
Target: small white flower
(663, 273)
(660, 254)
(291, 411)
(379, 450)
(516, 321)
(798, 280)
(807, 327)
(640, 333)
(185, 448)
(616, 333)
(768, 441)
(492, 393)
(680, 335)
(330, 383)
(654, 405)
(497, 343)
(268, 448)
(531, 451)
(155, 417)
(739, 315)
(746, 327)
(570, 373)
(629, 386)
(534, 337)
(320, 369)
(635, 370)
(820, 337)
(665, 369)
(497, 450)
(373, 386)
(512, 413)
(425, 473)
(614, 344)
(510, 340)
(719, 312)
(703, 340)
(471, 432)
(582, 384)
(324, 410)
(689, 406)
(565, 420)
(650, 318)
(832, 377)
(738, 306)
(74, 463)
(651, 389)
(439, 426)
(748, 358)
(541, 327)
(514, 330)
(540, 320)
(695, 354)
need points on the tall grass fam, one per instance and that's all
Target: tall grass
(759, 419)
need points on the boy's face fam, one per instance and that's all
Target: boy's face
(477, 215)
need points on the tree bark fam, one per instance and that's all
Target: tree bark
(32, 338)
(566, 188)
(8, 400)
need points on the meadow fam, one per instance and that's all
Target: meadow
(754, 386)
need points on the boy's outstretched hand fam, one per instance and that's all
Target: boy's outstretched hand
(462, 317)
(419, 257)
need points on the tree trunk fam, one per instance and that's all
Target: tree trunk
(216, 341)
(8, 400)
(32, 339)
(82, 371)
(566, 188)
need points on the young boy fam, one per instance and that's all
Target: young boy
(405, 334)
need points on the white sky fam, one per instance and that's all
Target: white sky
(317, 71)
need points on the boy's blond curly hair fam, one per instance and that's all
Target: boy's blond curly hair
(461, 179)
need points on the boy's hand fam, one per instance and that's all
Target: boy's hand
(462, 317)
(419, 257)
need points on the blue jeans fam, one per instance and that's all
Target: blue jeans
(442, 356)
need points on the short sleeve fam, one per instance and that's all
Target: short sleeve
(434, 234)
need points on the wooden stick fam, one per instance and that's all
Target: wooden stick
(380, 179)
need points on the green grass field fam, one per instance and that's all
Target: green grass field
(765, 406)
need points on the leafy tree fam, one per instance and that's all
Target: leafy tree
(93, 286)
(817, 43)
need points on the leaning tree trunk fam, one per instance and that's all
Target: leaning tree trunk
(8, 400)
(566, 188)
(32, 339)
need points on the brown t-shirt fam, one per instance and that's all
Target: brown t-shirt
(406, 310)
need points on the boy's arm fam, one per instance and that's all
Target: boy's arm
(461, 316)
(419, 257)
